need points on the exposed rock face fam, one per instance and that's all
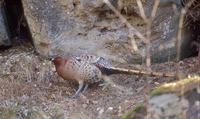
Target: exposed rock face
(175, 100)
(167, 106)
(171, 106)
(54, 28)
(165, 26)
(47, 22)
(4, 39)
(74, 27)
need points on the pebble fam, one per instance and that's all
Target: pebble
(95, 102)
(100, 110)
(197, 103)
(85, 106)
(198, 90)
(110, 108)
(156, 83)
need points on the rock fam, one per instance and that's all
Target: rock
(56, 31)
(64, 29)
(167, 106)
(4, 36)
(85, 106)
(99, 6)
(164, 31)
(138, 112)
(47, 22)
(176, 100)
(100, 111)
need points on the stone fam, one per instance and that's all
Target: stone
(67, 30)
(167, 106)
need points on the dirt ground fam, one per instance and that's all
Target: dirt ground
(29, 82)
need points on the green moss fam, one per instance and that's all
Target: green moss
(179, 87)
(131, 114)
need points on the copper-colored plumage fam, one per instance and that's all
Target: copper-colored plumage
(88, 69)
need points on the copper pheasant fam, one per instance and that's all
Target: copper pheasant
(88, 69)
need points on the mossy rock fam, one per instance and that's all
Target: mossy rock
(179, 87)
(137, 112)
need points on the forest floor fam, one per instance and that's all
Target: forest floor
(30, 88)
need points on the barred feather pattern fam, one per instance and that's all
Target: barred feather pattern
(100, 62)
(80, 69)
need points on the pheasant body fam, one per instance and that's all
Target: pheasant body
(77, 69)
(89, 69)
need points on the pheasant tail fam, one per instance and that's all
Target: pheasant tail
(113, 70)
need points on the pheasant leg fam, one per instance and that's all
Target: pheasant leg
(80, 89)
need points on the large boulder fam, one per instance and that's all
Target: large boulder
(176, 100)
(68, 27)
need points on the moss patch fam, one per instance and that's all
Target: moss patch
(179, 87)
(135, 113)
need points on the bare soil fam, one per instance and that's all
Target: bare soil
(29, 81)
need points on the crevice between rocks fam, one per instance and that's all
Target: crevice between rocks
(16, 23)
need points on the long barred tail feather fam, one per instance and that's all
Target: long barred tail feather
(113, 70)
(107, 69)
